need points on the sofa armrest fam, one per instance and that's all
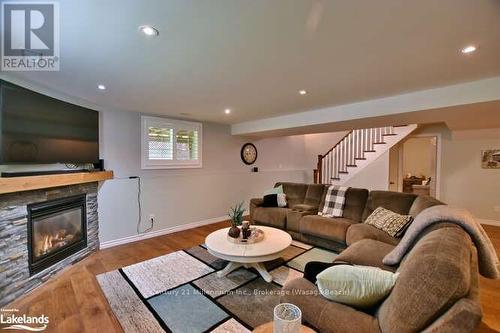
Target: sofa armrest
(464, 316)
(254, 203)
(325, 315)
(367, 252)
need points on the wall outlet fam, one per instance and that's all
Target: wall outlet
(152, 218)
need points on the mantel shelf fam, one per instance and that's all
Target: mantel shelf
(19, 184)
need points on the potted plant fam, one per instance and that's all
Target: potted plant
(236, 217)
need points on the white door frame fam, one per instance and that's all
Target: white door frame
(438, 160)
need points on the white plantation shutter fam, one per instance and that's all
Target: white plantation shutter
(160, 143)
(168, 143)
(186, 144)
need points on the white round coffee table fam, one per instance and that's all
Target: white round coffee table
(249, 255)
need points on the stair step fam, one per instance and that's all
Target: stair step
(343, 172)
(352, 165)
(360, 158)
(335, 178)
(370, 151)
(391, 134)
(380, 143)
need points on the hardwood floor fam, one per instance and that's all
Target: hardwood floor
(74, 302)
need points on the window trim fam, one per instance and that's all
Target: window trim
(146, 163)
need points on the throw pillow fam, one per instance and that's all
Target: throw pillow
(334, 201)
(275, 190)
(274, 200)
(357, 286)
(386, 220)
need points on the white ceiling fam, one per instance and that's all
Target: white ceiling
(254, 56)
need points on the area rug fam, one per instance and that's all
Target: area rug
(181, 292)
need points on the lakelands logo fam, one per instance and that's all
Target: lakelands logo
(30, 36)
(14, 321)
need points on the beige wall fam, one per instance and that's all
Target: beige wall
(316, 144)
(183, 196)
(374, 176)
(418, 156)
(463, 182)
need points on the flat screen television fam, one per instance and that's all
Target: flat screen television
(37, 129)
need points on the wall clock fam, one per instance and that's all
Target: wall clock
(248, 153)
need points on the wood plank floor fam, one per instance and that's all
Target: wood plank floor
(74, 302)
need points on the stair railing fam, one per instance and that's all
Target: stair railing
(347, 151)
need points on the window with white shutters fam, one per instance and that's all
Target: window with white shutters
(169, 143)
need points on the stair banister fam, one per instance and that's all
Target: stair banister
(319, 172)
(347, 151)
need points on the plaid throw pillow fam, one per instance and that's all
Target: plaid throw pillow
(334, 201)
(386, 220)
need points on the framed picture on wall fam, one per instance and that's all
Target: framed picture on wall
(490, 159)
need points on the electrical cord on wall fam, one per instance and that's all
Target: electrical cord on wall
(139, 205)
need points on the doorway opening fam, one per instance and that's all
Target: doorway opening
(414, 165)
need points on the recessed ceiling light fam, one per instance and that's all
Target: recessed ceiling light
(469, 49)
(227, 111)
(101, 87)
(302, 92)
(149, 30)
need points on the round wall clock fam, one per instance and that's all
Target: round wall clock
(248, 153)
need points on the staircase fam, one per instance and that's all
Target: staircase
(357, 150)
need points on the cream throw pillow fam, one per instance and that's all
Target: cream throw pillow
(357, 286)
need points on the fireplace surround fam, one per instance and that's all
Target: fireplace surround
(56, 230)
(16, 209)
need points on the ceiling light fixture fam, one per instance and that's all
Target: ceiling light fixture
(227, 111)
(302, 92)
(469, 49)
(101, 87)
(149, 30)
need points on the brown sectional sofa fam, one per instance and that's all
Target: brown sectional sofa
(436, 291)
(300, 218)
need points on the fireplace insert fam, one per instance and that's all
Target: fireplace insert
(56, 229)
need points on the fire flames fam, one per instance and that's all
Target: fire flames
(48, 243)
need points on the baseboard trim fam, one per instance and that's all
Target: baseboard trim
(165, 231)
(489, 222)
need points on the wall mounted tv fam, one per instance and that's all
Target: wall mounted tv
(37, 129)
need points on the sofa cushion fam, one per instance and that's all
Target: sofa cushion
(367, 252)
(397, 202)
(433, 276)
(359, 231)
(294, 215)
(355, 202)
(326, 316)
(314, 194)
(325, 227)
(305, 208)
(295, 192)
(423, 202)
(271, 216)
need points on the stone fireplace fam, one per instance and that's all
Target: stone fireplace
(43, 231)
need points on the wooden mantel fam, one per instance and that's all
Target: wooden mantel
(19, 184)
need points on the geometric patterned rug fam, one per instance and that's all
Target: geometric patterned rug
(180, 291)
